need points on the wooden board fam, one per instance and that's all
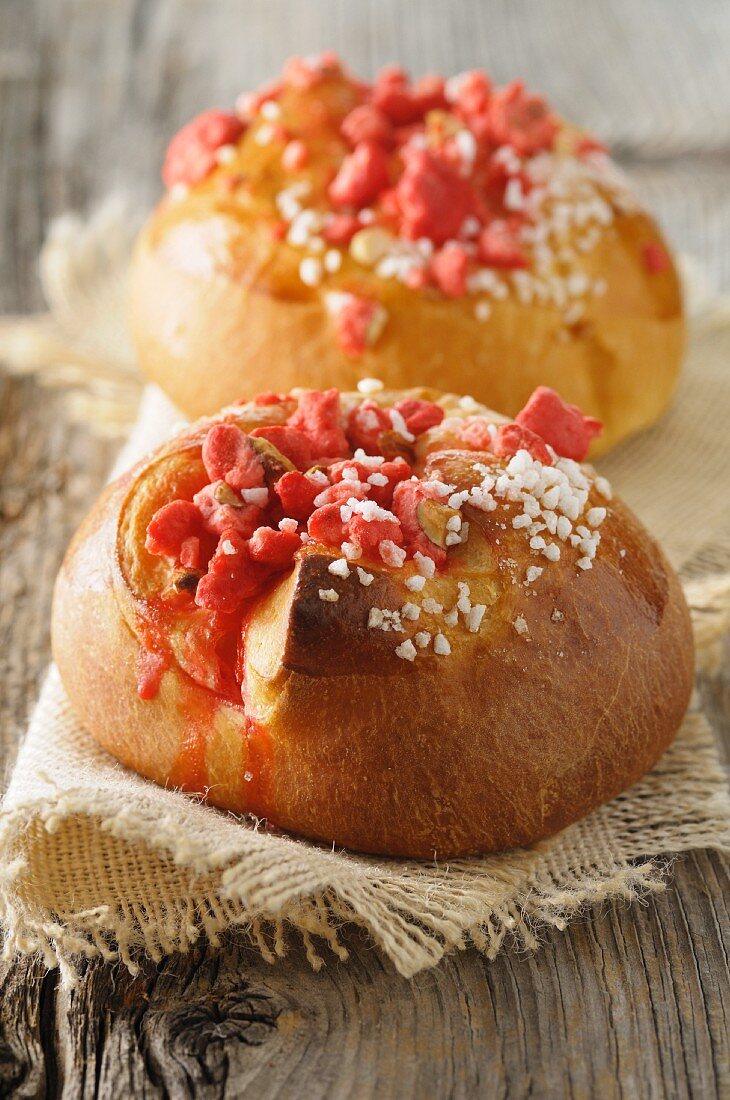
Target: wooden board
(629, 1002)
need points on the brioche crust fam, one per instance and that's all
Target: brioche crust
(515, 734)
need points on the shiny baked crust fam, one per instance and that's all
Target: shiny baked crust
(571, 690)
(219, 310)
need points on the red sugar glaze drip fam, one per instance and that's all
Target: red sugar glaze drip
(258, 786)
(198, 707)
(150, 667)
(153, 658)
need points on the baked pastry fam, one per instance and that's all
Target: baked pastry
(395, 622)
(445, 233)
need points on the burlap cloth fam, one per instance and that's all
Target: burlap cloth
(95, 860)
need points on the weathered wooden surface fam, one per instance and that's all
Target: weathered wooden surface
(626, 1005)
(630, 1003)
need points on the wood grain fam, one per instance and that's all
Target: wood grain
(629, 1002)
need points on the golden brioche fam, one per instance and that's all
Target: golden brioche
(449, 233)
(399, 623)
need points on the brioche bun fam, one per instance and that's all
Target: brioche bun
(223, 305)
(567, 689)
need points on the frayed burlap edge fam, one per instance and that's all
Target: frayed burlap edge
(415, 912)
(413, 939)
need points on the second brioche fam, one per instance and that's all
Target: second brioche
(449, 233)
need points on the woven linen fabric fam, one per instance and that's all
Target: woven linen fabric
(96, 860)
